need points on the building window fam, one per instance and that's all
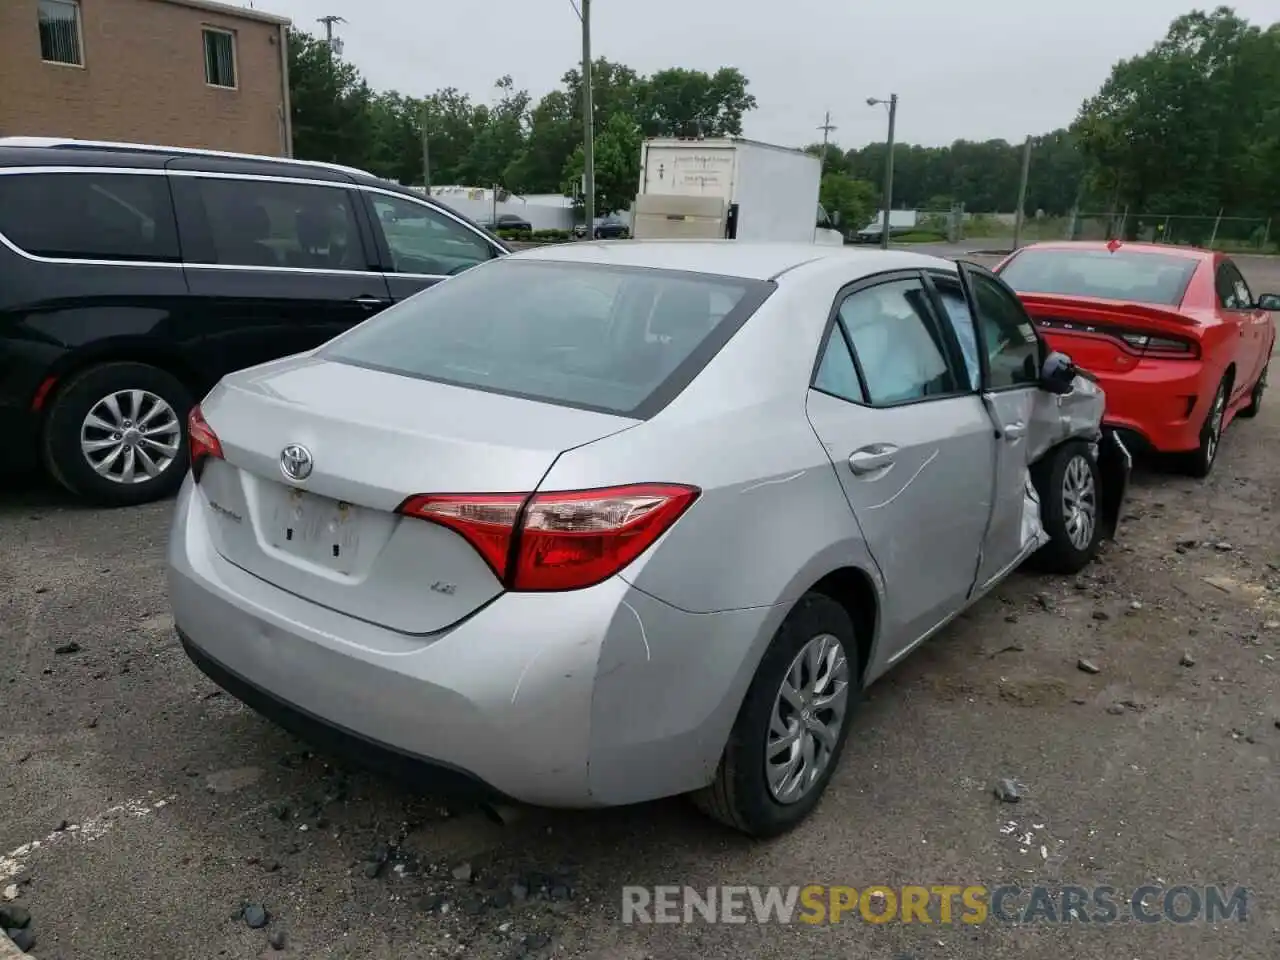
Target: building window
(219, 58)
(60, 32)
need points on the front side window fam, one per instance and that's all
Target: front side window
(89, 216)
(265, 223)
(219, 58)
(1013, 350)
(424, 241)
(1233, 292)
(897, 342)
(614, 339)
(60, 32)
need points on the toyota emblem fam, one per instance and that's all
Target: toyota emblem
(296, 462)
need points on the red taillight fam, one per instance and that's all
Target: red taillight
(1151, 346)
(201, 441)
(1138, 342)
(558, 540)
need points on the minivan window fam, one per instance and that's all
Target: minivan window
(89, 216)
(618, 340)
(424, 241)
(266, 223)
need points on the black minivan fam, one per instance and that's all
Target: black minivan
(132, 278)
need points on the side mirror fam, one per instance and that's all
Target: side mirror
(1058, 374)
(1269, 301)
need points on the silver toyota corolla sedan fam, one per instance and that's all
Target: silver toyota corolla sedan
(600, 523)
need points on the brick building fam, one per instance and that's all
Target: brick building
(186, 73)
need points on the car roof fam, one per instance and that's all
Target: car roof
(62, 151)
(729, 258)
(1169, 250)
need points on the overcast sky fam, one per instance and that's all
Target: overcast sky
(975, 69)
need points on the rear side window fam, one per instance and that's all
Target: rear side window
(898, 344)
(1155, 278)
(613, 339)
(89, 216)
(265, 223)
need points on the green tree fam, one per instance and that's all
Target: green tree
(329, 104)
(617, 165)
(690, 103)
(854, 200)
(1188, 126)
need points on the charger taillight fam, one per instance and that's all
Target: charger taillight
(562, 540)
(202, 442)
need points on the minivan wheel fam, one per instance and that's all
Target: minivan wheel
(789, 734)
(1070, 488)
(116, 434)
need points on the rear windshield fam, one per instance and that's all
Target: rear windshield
(616, 340)
(1138, 277)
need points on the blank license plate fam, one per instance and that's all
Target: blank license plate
(324, 531)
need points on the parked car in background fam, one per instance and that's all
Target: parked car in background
(133, 277)
(612, 228)
(1173, 334)
(509, 221)
(489, 532)
(606, 228)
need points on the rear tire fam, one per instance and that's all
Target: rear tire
(744, 795)
(1199, 463)
(1255, 398)
(116, 434)
(1070, 487)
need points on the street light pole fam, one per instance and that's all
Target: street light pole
(588, 131)
(892, 104)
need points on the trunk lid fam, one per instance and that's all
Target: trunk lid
(1104, 335)
(373, 439)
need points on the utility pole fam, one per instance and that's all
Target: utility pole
(827, 129)
(335, 43)
(426, 152)
(892, 104)
(1020, 216)
(588, 131)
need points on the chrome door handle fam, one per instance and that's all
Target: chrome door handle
(370, 301)
(872, 458)
(1015, 431)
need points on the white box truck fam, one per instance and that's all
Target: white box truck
(729, 188)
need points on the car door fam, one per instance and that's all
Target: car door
(420, 244)
(991, 322)
(1236, 301)
(911, 444)
(274, 266)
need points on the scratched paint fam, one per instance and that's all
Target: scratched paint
(87, 831)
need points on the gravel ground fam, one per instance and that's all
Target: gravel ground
(161, 808)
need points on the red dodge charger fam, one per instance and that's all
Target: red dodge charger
(1173, 334)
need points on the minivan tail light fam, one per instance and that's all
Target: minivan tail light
(560, 540)
(201, 441)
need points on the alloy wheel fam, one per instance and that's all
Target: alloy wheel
(807, 717)
(1079, 502)
(131, 436)
(1215, 425)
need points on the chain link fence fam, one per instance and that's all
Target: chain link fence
(1231, 234)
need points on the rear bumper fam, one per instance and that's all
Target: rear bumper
(589, 698)
(1160, 405)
